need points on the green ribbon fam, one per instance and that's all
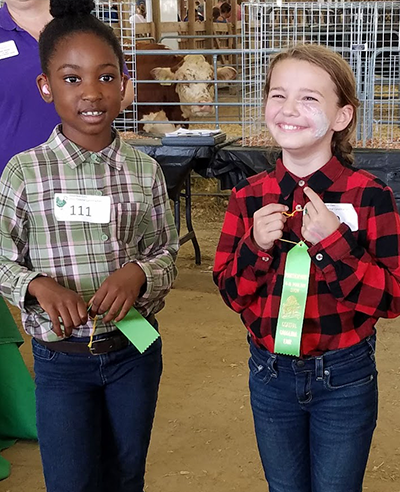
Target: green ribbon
(138, 330)
(293, 301)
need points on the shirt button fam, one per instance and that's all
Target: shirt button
(265, 258)
(302, 183)
(299, 207)
(319, 257)
(94, 158)
(300, 363)
(98, 192)
(104, 237)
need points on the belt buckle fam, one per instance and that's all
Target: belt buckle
(93, 350)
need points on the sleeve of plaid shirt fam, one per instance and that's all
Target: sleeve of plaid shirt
(240, 267)
(158, 247)
(365, 278)
(14, 274)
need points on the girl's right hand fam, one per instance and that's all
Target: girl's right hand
(59, 302)
(268, 225)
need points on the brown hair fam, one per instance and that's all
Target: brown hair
(225, 8)
(345, 84)
(215, 13)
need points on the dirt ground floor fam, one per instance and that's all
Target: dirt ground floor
(203, 439)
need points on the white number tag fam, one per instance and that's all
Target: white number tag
(82, 208)
(8, 49)
(346, 213)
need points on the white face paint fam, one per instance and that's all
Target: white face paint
(318, 117)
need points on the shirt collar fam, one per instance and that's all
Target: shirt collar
(318, 181)
(75, 155)
(6, 21)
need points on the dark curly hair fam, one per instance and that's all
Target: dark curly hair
(70, 17)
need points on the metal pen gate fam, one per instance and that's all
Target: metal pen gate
(366, 34)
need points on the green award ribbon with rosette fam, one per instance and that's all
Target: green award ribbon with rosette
(293, 301)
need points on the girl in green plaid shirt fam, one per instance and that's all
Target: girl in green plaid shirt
(85, 225)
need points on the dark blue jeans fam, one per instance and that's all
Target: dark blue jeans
(314, 418)
(94, 417)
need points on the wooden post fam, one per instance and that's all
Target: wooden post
(208, 7)
(191, 24)
(155, 5)
(182, 9)
(234, 10)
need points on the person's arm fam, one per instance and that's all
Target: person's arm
(365, 278)
(159, 245)
(15, 275)
(129, 95)
(241, 264)
(150, 276)
(18, 283)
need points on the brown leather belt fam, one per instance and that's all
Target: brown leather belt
(109, 343)
(99, 346)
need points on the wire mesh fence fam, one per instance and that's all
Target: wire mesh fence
(119, 15)
(366, 34)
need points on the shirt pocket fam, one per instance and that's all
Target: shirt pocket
(132, 220)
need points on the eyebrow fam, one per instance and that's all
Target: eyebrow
(302, 89)
(77, 67)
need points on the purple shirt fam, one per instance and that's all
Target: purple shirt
(25, 119)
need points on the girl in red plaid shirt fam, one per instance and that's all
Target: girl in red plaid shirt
(314, 410)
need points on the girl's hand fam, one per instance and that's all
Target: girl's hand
(59, 302)
(268, 225)
(118, 293)
(318, 221)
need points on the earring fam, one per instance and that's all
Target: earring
(46, 90)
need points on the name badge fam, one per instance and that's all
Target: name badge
(82, 208)
(8, 49)
(346, 213)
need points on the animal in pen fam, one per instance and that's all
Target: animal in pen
(167, 68)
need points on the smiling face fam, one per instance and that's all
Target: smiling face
(86, 85)
(302, 111)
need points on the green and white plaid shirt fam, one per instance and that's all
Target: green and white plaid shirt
(81, 255)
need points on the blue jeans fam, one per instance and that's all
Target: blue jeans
(94, 417)
(314, 418)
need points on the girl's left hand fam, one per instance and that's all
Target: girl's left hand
(118, 293)
(318, 221)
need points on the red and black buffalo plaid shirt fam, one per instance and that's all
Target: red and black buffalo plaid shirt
(354, 276)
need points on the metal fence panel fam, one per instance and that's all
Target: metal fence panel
(366, 34)
(118, 15)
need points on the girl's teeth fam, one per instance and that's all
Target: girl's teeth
(290, 127)
(93, 113)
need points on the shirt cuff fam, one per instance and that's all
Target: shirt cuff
(333, 248)
(251, 255)
(25, 299)
(147, 287)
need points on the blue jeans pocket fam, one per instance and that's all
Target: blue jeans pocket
(353, 374)
(262, 368)
(40, 352)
